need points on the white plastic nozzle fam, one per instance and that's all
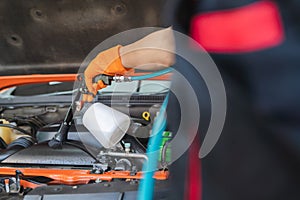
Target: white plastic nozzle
(106, 124)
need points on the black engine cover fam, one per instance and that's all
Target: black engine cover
(42, 154)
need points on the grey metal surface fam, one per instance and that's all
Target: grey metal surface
(33, 197)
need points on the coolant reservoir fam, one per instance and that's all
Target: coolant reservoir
(106, 124)
(6, 133)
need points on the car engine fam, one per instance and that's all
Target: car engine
(29, 164)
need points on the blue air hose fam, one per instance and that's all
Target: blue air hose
(146, 187)
(152, 75)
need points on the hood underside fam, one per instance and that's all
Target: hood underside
(44, 37)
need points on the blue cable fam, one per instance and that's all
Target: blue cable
(152, 75)
(146, 187)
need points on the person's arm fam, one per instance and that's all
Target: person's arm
(152, 52)
(155, 51)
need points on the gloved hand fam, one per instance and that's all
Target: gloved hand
(96, 86)
(107, 62)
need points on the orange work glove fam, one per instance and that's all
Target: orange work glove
(107, 62)
(97, 86)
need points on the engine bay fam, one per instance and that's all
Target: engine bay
(29, 164)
